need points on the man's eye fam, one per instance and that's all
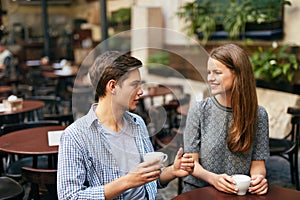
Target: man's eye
(136, 85)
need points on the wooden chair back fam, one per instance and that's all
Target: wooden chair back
(39, 177)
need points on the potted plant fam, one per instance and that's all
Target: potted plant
(238, 14)
(233, 18)
(158, 62)
(274, 67)
(120, 19)
(199, 17)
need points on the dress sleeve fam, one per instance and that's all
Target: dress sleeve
(261, 142)
(192, 133)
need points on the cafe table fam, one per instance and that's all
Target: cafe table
(69, 72)
(210, 193)
(62, 79)
(30, 141)
(5, 89)
(29, 106)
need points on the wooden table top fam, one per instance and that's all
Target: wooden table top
(5, 89)
(72, 72)
(210, 193)
(31, 141)
(28, 105)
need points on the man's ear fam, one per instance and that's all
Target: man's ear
(110, 86)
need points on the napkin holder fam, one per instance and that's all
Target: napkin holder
(11, 105)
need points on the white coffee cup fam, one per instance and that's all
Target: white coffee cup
(162, 157)
(242, 183)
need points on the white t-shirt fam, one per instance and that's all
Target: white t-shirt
(126, 153)
(3, 55)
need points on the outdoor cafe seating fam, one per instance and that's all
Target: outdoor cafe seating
(163, 107)
(288, 147)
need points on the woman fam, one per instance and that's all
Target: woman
(228, 132)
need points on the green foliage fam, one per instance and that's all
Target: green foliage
(120, 17)
(238, 14)
(274, 64)
(199, 18)
(204, 16)
(158, 59)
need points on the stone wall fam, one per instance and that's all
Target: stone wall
(276, 103)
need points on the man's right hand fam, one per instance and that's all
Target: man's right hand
(143, 173)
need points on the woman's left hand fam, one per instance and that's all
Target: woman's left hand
(258, 185)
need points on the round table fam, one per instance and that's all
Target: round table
(61, 73)
(5, 89)
(31, 141)
(210, 193)
(28, 106)
(62, 80)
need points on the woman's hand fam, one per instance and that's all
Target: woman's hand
(258, 185)
(224, 183)
(183, 164)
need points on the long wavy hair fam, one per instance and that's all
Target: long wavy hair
(243, 97)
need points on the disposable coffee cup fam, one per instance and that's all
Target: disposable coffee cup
(162, 157)
(242, 183)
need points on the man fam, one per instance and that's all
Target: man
(5, 57)
(101, 154)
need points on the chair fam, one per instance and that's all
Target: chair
(10, 189)
(51, 111)
(41, 86)
(52, 104)
(288, 146)
(294, 111)
(63, 119)
(39, 178)
(11, 166)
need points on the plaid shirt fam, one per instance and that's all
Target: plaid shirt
(85, 160)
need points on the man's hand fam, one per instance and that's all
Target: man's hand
(183, 164)
(143, 173)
